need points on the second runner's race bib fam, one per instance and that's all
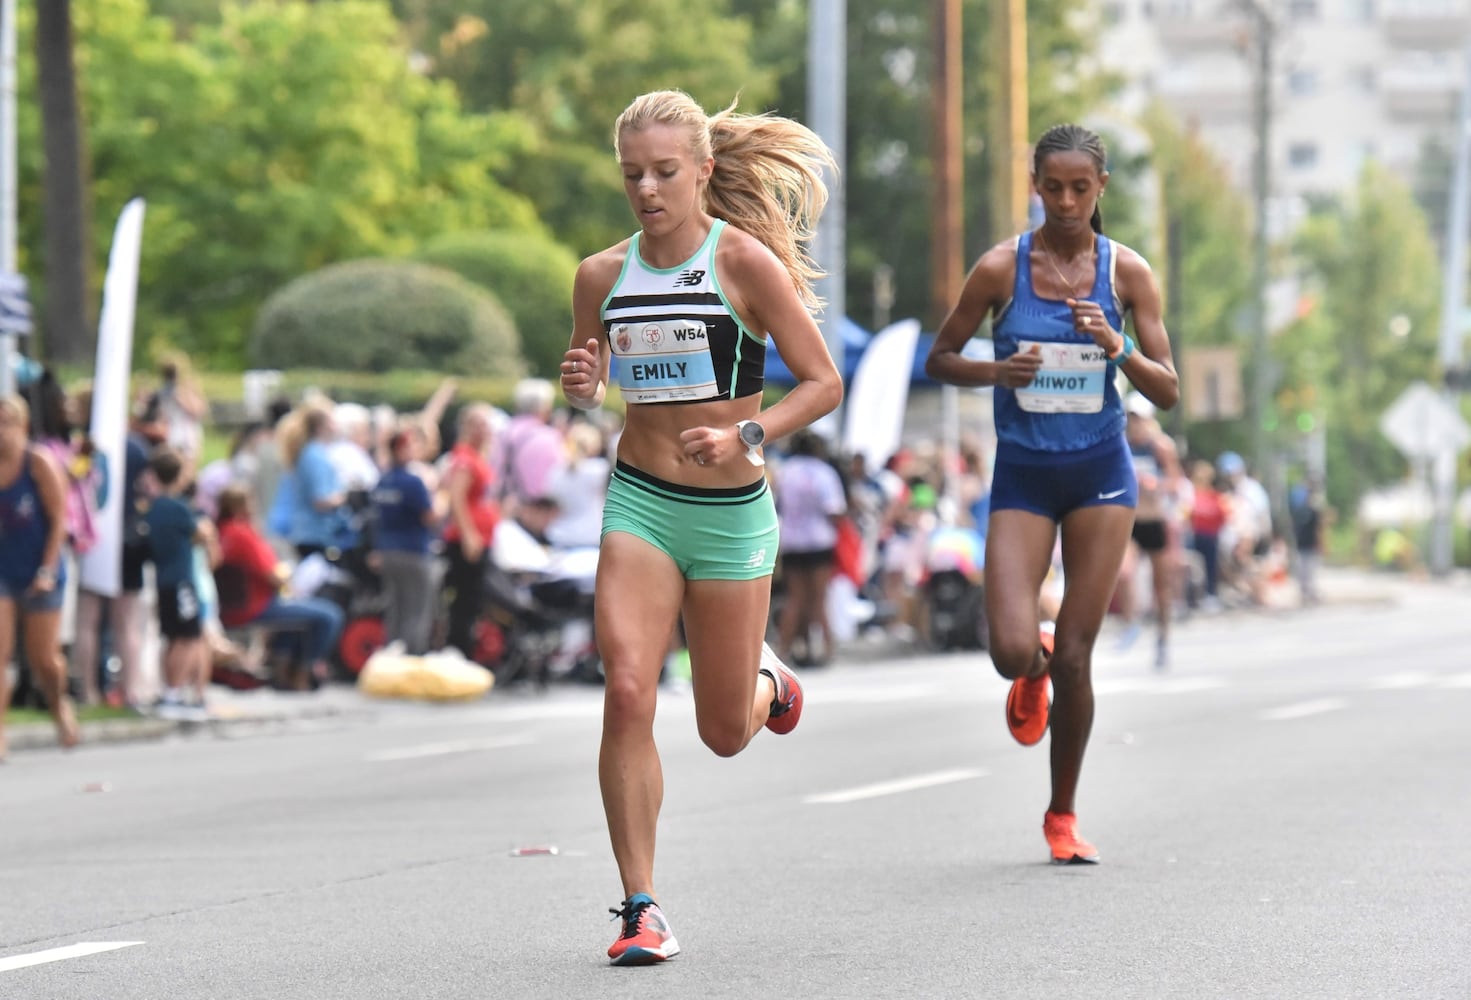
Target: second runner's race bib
(1070, 380)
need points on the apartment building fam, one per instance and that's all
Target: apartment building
(1352, 80)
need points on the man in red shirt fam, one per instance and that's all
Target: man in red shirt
(251, 582)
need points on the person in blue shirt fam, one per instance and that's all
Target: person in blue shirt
(172, 529)
(403, 512)
(318, 515)
(1056, 298)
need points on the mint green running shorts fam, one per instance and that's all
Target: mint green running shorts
(711, 534)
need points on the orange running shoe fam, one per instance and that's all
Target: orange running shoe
(1029, 702)
(646, 937)
(1061, 831)
(786, 707)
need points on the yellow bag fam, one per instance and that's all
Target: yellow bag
(436, 677)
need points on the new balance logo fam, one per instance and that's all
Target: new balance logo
(689, 278)
(756, 559)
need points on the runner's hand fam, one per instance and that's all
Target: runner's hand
(1018, 370)
(711, 445)
(1088, 319)
(582, 370)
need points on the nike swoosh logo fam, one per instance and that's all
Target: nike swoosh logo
(1115, 493)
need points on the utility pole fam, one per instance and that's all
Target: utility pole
(1013, 189)
(947, 246)
(1452, 319)
(827, 99)
(1260, 361)
(8, 199)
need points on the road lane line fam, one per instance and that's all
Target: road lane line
(447, 747)
(896, 786)
(1457, 681)
(61, 954)
(1301, 710)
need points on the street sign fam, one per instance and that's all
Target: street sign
(15, 305)
(1422, 425)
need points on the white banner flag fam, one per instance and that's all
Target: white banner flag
(101, 566)
(878, 393)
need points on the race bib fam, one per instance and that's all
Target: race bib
(1071, 379)
(663, 361)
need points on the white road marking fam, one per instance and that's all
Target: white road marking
(61, 954)
(1301, 710)
(896, 786)
(1458, 681)
(448, 747)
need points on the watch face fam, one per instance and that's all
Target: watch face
(752, 434)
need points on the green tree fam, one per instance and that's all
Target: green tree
(889, 136)
(1368, 258)
(379, 315)
(571, 66)
(306, 138)
(531, 274)
(1199, 258)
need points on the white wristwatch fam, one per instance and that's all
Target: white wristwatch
(752, 435)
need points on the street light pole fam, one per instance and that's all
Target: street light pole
(1452, 319)
(1260, 362)
(827, 98)
(8, 182)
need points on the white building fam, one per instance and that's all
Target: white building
(1354, 80)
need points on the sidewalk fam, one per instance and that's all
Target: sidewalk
(233, 711)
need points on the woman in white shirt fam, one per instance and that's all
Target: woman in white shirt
(809, 501)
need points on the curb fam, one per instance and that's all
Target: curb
(42, 735)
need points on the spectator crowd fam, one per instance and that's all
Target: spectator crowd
(250, 568)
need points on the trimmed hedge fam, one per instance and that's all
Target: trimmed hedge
(532, 274)
(380, 315)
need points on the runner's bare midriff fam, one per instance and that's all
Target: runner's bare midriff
(650, 441)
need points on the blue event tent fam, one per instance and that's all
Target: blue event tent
(855, 341)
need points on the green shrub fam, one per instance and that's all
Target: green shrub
(378, 315)
(530, 273)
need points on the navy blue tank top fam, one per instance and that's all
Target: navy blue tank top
(23, 529)
(1073, 403)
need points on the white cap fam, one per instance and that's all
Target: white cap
(1139, 406)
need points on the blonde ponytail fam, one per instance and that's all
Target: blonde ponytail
(768, 177)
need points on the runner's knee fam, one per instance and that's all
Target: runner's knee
(628, 697)
(1013, 656)
(725, 737)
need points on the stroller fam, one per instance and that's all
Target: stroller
(954, 589)
(541, 623)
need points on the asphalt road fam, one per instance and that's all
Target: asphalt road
(1286, 813)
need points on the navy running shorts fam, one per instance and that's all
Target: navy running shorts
(1056, 484)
